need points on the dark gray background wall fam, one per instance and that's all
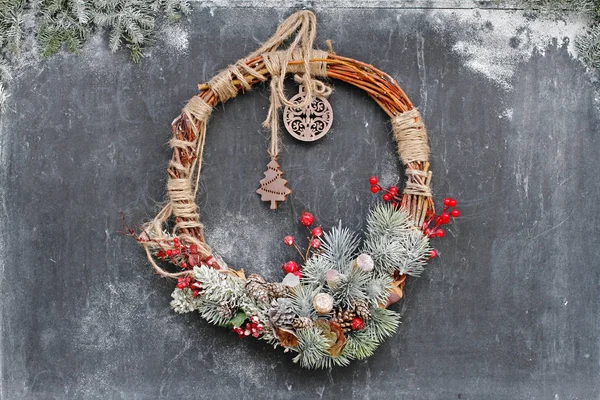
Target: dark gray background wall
(510, 310)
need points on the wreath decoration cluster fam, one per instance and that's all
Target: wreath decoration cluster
(334, 307)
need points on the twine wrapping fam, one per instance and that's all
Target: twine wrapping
(411, 136)
(181, 190)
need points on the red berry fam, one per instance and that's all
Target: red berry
(452, 203)
(175, 240)
(373, 180)
(357, 324)
(433, 253)
(440, 233)
(387, 197)
(445, 217)
(176, 244)
(456, 213)
(317, 231)
(175, 252)
(195, 293)
(307, 218)
(447, 201)
(181, 285)
(375, 189)
(290, 266)
(315, 243)
(393, 190)
(184, 265)
(169, 253)
(289, 240)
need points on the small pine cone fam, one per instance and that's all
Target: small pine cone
(225, 310)
(281, 313)
(302, 323)
(257, 288)
(277, 290)
(344, 318)
(361, 308)
(348, 315)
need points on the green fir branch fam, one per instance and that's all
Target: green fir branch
(302, 300)
(378, 289)
(360, 345)
(315, 269)
(393, 243)
(351, 287)
(383, 323)
(588, 47)
(339, 248)
(312, 348)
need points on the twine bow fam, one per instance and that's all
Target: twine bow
(295, 59)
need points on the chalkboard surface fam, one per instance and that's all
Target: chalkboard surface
(510, 310)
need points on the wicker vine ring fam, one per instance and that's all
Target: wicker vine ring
(334, 307)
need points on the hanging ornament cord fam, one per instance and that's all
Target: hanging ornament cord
(269, 62)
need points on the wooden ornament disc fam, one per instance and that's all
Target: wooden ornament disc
(311, 123)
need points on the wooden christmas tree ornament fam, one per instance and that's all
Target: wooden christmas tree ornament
(272, 186)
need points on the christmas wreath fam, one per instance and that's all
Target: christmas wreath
(333, 308)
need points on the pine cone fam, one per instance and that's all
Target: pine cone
(277, 290)
(344, 319)
(225, 310)
(281, 313)
(302, 323)
(257, 288)
(361, 308)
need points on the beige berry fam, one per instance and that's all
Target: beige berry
(323, 303)
(364, 262)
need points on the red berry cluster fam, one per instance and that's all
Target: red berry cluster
(390, 194)
(186, 256)
(438, 220)
(314, 243)
(291, 267)
(183, 255)
(188, 282)
(253, 327)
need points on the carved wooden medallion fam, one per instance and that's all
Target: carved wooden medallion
(311, 123)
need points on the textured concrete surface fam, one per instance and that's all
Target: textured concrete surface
(509, 311)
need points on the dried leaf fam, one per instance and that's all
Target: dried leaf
(239, 274)
(335, 334)
(396, 293)
(286, 337)
(337, 348)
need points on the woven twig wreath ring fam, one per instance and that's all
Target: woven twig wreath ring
(322, 316)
